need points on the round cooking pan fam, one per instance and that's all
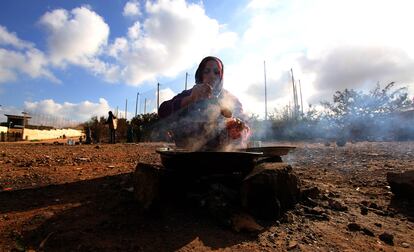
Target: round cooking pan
(208, 162)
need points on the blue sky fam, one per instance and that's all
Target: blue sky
(76, 59)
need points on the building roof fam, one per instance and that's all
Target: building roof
(17, 116)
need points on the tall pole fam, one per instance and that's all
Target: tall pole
(126, 108)
(296, 100)
(289, 110)
(186, 76)
(301, 101)
(136, 104)
(294, 96)
(116, 112)
(264, 68)
(158, 96)
(145, 106)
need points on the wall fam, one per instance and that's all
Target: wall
(34, 134)
(3, 129)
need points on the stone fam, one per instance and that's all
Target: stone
(312, 193)
(309, 202)
(269, 190)
(367, 232)
(354, 227)
(402, 184)
(364, 210)
(245, 222)
(336, 205)
(314, 210)
(292, 245)
(374, 205)
(288, 218)
(322, 217)
(378, 224)
(147, 180)
(387, 238)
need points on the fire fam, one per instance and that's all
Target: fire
(238, 134)
(236, 128)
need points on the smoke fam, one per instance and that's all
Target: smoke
(382, 114)
(202, 126)
(394, 126)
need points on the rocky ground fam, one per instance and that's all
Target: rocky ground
(57, 197)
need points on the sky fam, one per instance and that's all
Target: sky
(77, 59)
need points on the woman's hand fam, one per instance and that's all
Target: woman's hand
(199, 92)
(226, 112)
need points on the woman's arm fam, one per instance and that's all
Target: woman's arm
(176, 103)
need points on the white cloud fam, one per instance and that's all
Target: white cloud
(358, 68)
(81, 112)
(31, 62)
(21, 57)
(134, 31)
(120, 45)
(174, 36)
(330, 45)
(8, 38)
(6, 74)
(131, 8)
(166, 94)
(74, 37)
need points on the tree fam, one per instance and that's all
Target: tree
(377, 102)
(97, 128)
(365, 116)
(145, 127)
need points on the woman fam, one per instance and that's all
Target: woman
(206, 116)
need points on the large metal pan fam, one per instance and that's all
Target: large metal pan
(271, 151)
(208, 162)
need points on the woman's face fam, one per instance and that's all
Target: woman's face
(211, 74)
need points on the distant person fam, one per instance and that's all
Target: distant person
(206, 117)
(112, 122)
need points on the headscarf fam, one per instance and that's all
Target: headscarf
(200, 69)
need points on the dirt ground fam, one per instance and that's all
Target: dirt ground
(57, 197)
